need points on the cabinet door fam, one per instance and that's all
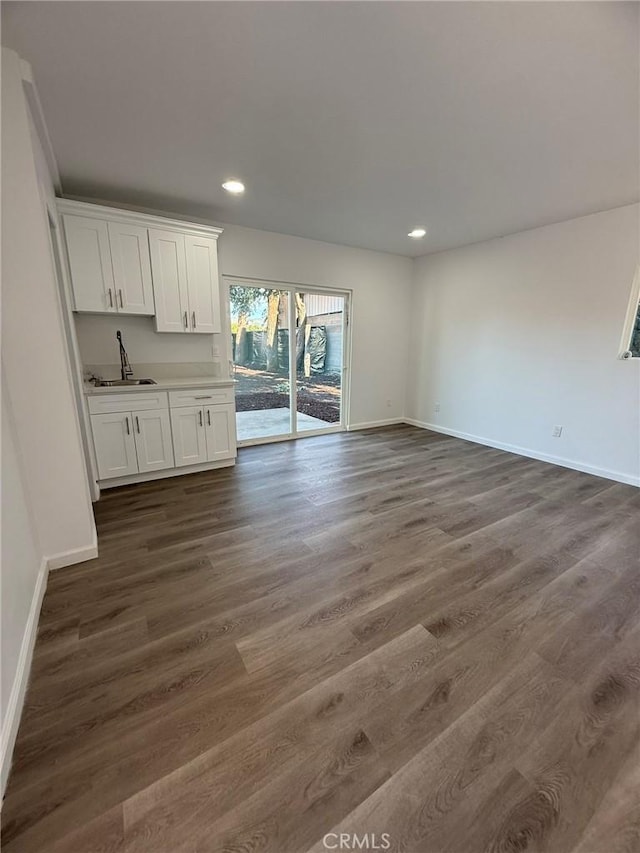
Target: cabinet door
(154, 448)
(221, 432)
(169, 270)
(131, 268)
(202, 278)
(115, 445)
(189, 442)
(90, 263)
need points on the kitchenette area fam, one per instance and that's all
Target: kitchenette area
(145, 324)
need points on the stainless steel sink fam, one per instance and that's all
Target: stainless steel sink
(107, 383)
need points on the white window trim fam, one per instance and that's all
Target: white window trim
(632, 311)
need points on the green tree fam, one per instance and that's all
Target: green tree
(245, 301)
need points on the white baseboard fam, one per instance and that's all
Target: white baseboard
(18, 691)
(77, 555)
(618, 476)
(372, 424)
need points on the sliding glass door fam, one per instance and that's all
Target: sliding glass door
(320, 360)
(260, 347)
(289, 349)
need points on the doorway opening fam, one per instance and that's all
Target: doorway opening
(289, 349)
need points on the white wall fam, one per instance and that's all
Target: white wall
(47, 515)
(515, 335)
(22, 574)
(20, 547)
(98, 345)
(381, 289)
(34, 351)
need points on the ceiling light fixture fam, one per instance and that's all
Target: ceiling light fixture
(233, 186)
(417, 233)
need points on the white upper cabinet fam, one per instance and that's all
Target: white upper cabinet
(90, 263)
(109, 265)
(132, 263)
(202, 283)
(185, 282)
(133, 290)
(168, 263)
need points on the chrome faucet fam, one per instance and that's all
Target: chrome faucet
(125, 366)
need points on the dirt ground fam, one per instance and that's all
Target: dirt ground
(318, 396)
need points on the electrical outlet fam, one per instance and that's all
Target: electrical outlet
(388, 404)
(215, 350)
(557, 431)
(436, 408)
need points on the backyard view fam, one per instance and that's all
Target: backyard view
(261, 331)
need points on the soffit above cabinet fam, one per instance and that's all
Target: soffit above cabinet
(116, 214)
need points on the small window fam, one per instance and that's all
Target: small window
(630, 344)
(634, 346)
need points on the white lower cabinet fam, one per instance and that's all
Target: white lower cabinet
(189, 439)
(220, 426)
(115, 445)
(132, 442)
(159, 431)
(154, 447)
(203, 433)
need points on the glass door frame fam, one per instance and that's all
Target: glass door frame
(291, 289)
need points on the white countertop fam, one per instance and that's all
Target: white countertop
(161, 385)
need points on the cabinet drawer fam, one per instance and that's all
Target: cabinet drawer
(200, 397)
(130, 402)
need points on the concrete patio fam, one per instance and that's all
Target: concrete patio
(267, 422)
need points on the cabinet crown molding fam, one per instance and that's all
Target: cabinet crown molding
(132, 217)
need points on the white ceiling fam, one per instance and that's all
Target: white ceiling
(348, 122)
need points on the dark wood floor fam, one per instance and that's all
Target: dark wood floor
(380, 632)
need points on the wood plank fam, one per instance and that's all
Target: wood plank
(573, 763)
(427, 802)
(615, 825)
(384, 631)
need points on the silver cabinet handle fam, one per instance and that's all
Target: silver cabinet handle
(186, 322)
(200, 413)
(194, 319)
(126, 420)
(138, 425)
(209, 416)
(110, 299)
(121, 300)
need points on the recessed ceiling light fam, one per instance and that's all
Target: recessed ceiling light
(233, 186)
(417, 233)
